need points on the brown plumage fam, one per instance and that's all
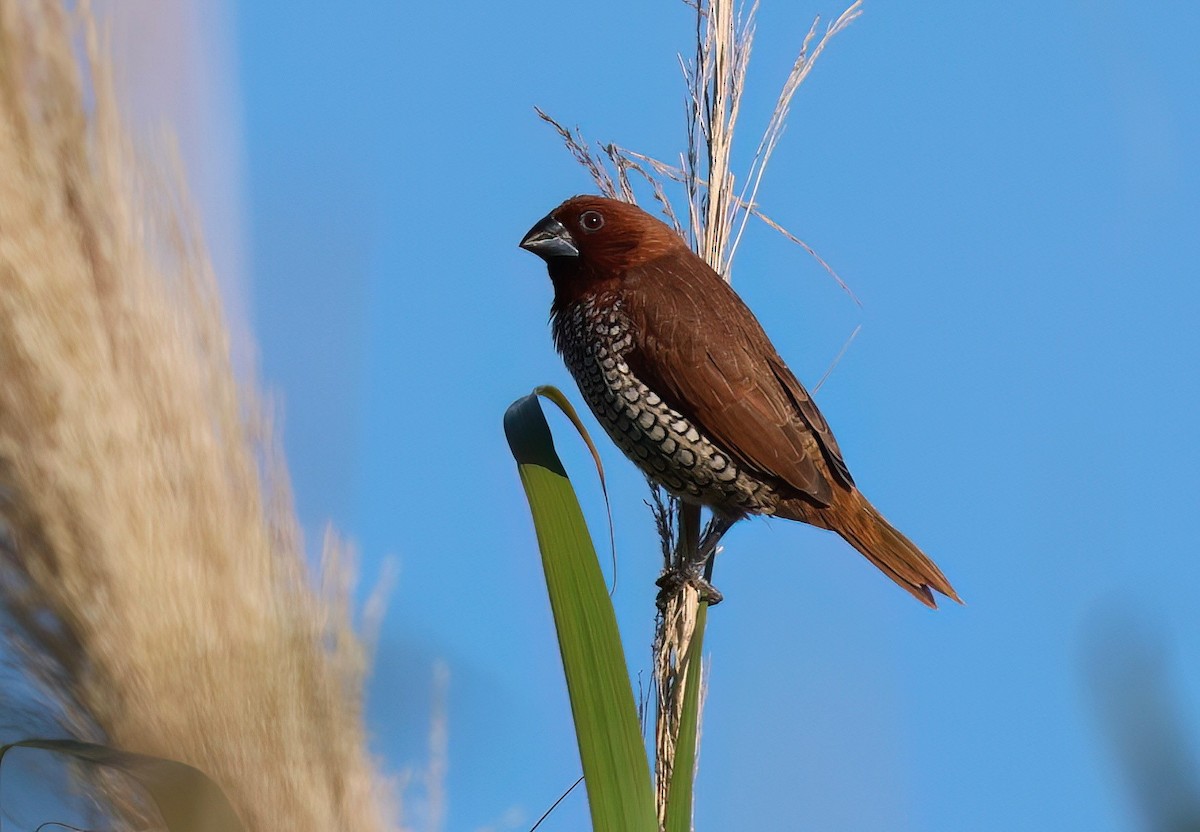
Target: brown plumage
(683, 378)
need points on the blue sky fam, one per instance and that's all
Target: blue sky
(1011, 188)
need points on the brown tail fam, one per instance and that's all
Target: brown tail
(856, 520)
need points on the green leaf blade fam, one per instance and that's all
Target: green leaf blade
(615, 769)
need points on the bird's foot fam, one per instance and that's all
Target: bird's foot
(673, 580)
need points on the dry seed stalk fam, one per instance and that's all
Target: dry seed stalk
(717, 215)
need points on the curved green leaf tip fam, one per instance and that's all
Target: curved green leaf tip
(552, 393)
(606, 725)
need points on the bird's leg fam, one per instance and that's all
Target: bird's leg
(692, 564)
(718, 524)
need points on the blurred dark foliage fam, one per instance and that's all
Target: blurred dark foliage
(1140, 711)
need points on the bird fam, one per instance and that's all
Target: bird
(683, 378)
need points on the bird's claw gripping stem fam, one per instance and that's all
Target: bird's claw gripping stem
(675, 579)
(695, 569)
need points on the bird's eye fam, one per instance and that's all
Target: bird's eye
(591, 220)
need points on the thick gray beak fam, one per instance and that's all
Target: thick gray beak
(550, 238)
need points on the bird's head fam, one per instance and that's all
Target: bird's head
(591, 240)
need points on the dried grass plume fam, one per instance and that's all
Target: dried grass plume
(157, 586)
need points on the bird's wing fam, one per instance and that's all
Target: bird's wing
(703, 351)
(812, 417)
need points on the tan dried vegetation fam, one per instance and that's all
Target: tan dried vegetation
(150, 556)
